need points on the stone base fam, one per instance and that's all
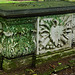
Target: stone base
(1, 62)
(13, 64)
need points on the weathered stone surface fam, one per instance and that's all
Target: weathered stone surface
(13, 64)
(55, 32)
(16, 37)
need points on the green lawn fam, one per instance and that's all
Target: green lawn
(6, 1)
(10, 1)
(70, 0)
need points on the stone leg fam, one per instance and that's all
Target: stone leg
(34, 60)
(1, 62)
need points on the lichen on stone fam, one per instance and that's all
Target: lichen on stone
(16, 37)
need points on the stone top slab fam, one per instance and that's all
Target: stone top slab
(29, 9)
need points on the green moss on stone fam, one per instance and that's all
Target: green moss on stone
(33, 5)
(6, 64)
(68, 53)
(17, 36)
(55, 57)
(13, 64)
(61, 67)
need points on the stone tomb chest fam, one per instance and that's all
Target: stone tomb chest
(38, 27)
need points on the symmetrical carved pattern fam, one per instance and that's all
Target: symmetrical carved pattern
(55, 32)
(16, 37)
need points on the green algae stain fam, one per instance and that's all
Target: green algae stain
(17, 37)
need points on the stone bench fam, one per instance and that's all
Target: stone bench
(22, 27)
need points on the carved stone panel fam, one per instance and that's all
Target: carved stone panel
(54, 32)
(16, 37)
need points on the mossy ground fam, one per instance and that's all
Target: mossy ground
(44, 65)
(47, 68)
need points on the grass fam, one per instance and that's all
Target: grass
(18, 5)
(5, 1)
(70, 0)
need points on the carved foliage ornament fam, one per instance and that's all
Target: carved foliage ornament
(16, 37)
(55, 32)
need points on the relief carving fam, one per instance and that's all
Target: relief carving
(16, 38)
(55, 32)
